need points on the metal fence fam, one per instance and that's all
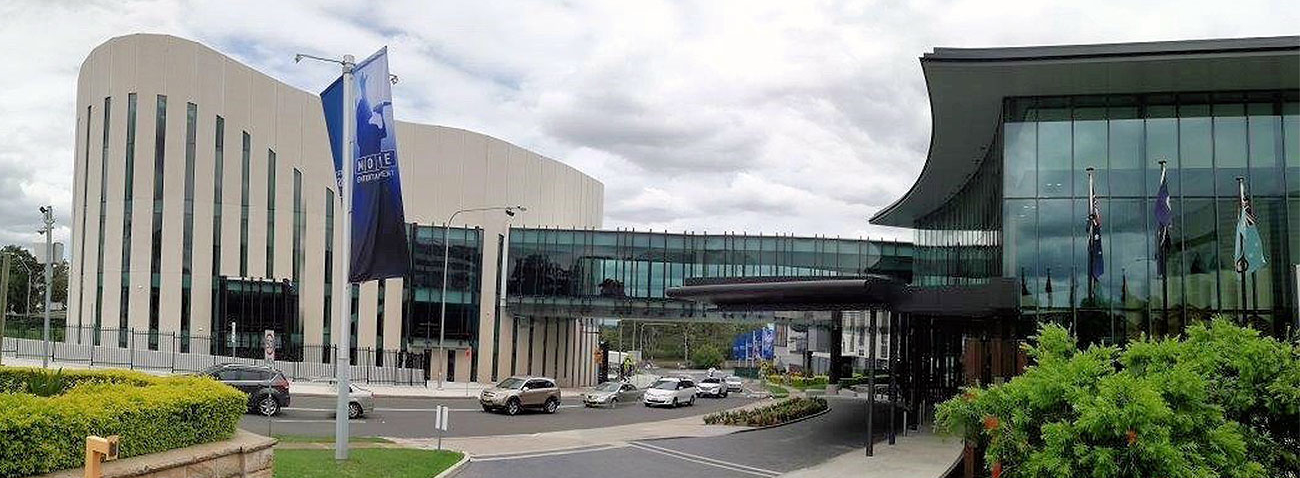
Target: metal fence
(181, 353)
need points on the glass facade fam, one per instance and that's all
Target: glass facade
(244, 171)
(270, 213)
(330, 225)
(187, 228)
(625, 273)
(85, 201)
(218, 182)
(422, 288)
(155, 247)
(103, 217)
(299, 226)
(128, 193)
(1207, 141)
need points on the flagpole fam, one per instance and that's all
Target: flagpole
(1091, 206)
(1241, 202)
(1164, 269)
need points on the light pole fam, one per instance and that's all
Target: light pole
(446, 254)
(48, 230)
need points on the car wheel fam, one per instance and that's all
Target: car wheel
(512, 407)
(487, 409)
(267, 406)
(354, 411)
(613, 402)
(724, 394)
(692, 402)
(552, 405)
(674, 402)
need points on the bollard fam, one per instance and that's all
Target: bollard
(99, 450)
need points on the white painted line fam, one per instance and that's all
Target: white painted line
(707, 461)
(331, 420)
(522, 456)
(402, 410)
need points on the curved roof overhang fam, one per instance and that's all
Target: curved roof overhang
(789, 294)
(967, 88)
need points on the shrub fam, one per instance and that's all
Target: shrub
(151, 414)
(1222, 402)
(780, 412)
(706, 357)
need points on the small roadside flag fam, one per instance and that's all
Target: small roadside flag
(1249, 251)
(1164, 214)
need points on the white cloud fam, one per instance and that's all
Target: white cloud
(773, 117)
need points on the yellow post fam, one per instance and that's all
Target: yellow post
(99, 450)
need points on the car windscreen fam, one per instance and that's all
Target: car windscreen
(608, 387)
(666, 385)
(710, 380)
(511, 383)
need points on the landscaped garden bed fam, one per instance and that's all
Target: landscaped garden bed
(1223, 401)
(45, 416)
(786, 410)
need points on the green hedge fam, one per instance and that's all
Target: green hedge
(800, 382)
(151, 414)
(780, 412)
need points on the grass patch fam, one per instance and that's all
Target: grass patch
(364, 463)
(326, 439)
(778, 391)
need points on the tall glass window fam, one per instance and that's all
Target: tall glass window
(1207, 141)
(244, 172)
(128, 193)
(103, 216)
(85, 210)
(187, 228)
(270, 214)
(218, 182)
(330, 225)
(299, 227)
(155, 248)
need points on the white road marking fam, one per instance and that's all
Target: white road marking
(402, 410)
(295, 420)
(521, 456)
(703, 460)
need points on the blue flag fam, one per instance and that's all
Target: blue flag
(378, 229)
(1096, 263)
(1249, 250)
(1164, 226)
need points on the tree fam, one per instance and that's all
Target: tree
(1224, 401)
(706, 357)
(20, 263)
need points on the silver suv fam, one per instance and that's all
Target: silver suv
(517, 393)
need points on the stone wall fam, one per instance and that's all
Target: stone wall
(245, 455)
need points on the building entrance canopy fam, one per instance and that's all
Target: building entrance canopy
(995, 298)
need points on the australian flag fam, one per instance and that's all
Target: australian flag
(1249, 250)
(1096, 263)
(1164, 214)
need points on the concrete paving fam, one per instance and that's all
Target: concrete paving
(920, 455)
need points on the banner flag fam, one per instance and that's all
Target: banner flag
(769, 352)
(1249, 250)
(378, 229)
(1164, 214)
(1096, 263)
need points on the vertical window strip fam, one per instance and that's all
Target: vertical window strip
(128, 193)
(329, 269)
(155, 249)
(85, 201)
(243, 205)
(103, 203)
(379, 317)
(218, 182)
(187, 229)
(270, 214)
(299, 227)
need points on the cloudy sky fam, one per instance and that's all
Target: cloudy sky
(779, 117)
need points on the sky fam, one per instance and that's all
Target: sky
(750, 116)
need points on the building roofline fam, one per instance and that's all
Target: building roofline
(1180, 47)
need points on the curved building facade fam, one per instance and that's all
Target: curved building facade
(200, 181)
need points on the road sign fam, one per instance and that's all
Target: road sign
(268, 345)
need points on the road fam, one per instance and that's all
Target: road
(413, 417)
(762, 453)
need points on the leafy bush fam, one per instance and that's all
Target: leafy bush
(1222, 402)
(780, 412)
(706, 357)
(151, 414)
(800, 382)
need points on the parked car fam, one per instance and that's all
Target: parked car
(671, 391)
(611, 394)
(517, 393)
(267, 388)
(712, 387)
(361, 401)
(735, 384)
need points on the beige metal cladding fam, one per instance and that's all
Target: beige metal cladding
(443, 169)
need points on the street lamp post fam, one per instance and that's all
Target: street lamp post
(446, 254)
(48, 215)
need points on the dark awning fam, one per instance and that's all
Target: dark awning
(994, 298)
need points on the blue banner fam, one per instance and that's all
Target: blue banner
(379, 248)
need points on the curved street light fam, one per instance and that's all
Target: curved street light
(442, 299)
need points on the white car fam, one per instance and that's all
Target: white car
(712, 387)
(735, 384)
(671, 392)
